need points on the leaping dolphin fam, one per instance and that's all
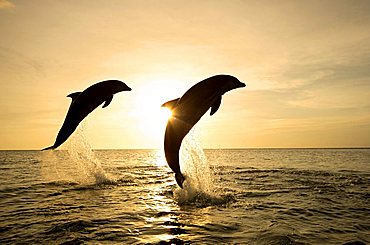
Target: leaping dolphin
(187, 111)
(83, 103)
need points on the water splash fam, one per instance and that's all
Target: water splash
(75, 162)
(199, 186)
(194, 164)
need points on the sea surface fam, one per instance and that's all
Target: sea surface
(231, 196)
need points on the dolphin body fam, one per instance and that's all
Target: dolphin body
(83, 103)
(187, 111)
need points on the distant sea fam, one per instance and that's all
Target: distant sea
(231, 196)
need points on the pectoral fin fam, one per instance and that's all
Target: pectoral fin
(216, 105)
(107, 101)
(74, 95)
(171, 104)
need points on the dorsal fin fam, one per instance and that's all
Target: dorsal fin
(171, 104)
(74, 95)
(216, 105)
(107, 101)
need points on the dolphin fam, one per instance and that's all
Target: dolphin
(83, 103)
(187, 111)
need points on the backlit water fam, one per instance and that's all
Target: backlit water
(231, 196)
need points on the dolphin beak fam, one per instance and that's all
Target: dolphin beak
(242, 85)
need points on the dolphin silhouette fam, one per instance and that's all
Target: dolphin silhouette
(187, 111)
(83, 103)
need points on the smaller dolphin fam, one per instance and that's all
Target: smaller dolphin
(83, 103)
(187, 111)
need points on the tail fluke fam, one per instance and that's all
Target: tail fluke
(180, 179)
(49, 148)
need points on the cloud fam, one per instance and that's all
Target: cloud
(4, 4)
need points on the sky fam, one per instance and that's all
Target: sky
(306, 65)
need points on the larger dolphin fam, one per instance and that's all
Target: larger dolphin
(83, 103)
(187, 111)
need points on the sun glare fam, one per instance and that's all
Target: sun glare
(151, 118)
(166, 113)
(152, 121)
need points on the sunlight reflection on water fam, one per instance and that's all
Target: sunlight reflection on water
(261, 196)
(256, 204)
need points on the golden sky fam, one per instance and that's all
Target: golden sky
(306, 65)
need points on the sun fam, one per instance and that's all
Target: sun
(151, 119)
(166, 113)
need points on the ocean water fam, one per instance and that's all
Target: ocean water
(231, 196)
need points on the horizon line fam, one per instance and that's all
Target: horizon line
(221, 148)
